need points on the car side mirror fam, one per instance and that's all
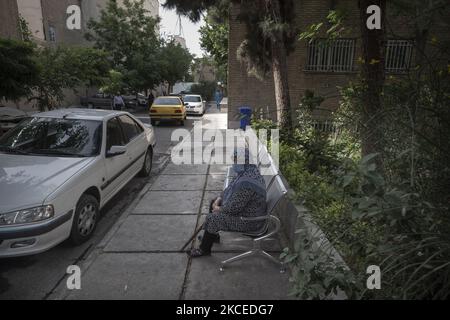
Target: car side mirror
(116, 151)
(186, 104)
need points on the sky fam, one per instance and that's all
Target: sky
(190, 30)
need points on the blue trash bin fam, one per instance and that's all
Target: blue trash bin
(246, 114)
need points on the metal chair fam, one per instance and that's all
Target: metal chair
(275, 193)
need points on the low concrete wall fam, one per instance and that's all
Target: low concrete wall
(294, 216)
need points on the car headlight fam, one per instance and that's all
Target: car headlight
(27, 215)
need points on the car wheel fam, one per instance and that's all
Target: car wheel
(85, 219)
(90, 106)
(148, 163)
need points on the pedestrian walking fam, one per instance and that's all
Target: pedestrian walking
(218, 97)
(118, 103)
(151, 98)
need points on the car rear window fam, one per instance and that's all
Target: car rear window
(167, 101)
(192, 99)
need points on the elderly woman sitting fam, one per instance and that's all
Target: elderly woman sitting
(244, 197)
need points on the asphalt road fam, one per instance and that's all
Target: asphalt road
(35, 277)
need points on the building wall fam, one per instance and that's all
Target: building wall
(55, 17)
(9, 19)
(249, 91)
(204, 73)
(31, 11)
(180, 40)
(245, 90)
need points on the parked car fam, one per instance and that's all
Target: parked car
(168, 108)
(9, 118)
(142, 100)
(131, 101)
(59, 168)
(194, 104)
(104, 101)
(97, 101)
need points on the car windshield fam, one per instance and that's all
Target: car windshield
(167, 101)
(54, 137)
(192, 99)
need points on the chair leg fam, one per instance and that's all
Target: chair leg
(275, 260)
(236, 258)
(255, 251)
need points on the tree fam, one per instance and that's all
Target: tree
(214, 39)
(372, 77)
(114, 84)
(129, 34)
(18, 70)
(90, 66)
(66, 68)
(270, 37)
(175, 62)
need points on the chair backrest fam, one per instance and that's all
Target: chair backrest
(275, 192)
(230, 176)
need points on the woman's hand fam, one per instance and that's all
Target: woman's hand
(216, 205)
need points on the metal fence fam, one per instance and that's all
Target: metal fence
(328, 126)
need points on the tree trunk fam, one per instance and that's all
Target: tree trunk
(280, 77)
(372, 74)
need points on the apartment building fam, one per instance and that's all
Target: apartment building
(47, 18)
(9, 19)
(314, 66)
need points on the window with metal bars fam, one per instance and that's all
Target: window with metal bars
(331, 56)
(398, 55)
(51, 34)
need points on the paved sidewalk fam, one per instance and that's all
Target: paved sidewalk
(141, 258)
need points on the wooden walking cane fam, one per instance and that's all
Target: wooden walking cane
(192, 238)
(198, 230)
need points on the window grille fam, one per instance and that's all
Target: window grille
(51, 34)
(398, 55)
(331, 56)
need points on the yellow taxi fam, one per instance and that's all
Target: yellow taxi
(168, 108)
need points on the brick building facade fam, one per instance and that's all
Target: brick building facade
(311, 67)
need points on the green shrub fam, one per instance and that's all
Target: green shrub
(205, 89)
(395, 216)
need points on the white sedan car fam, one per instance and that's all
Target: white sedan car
(194, 104)
(59, 168)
